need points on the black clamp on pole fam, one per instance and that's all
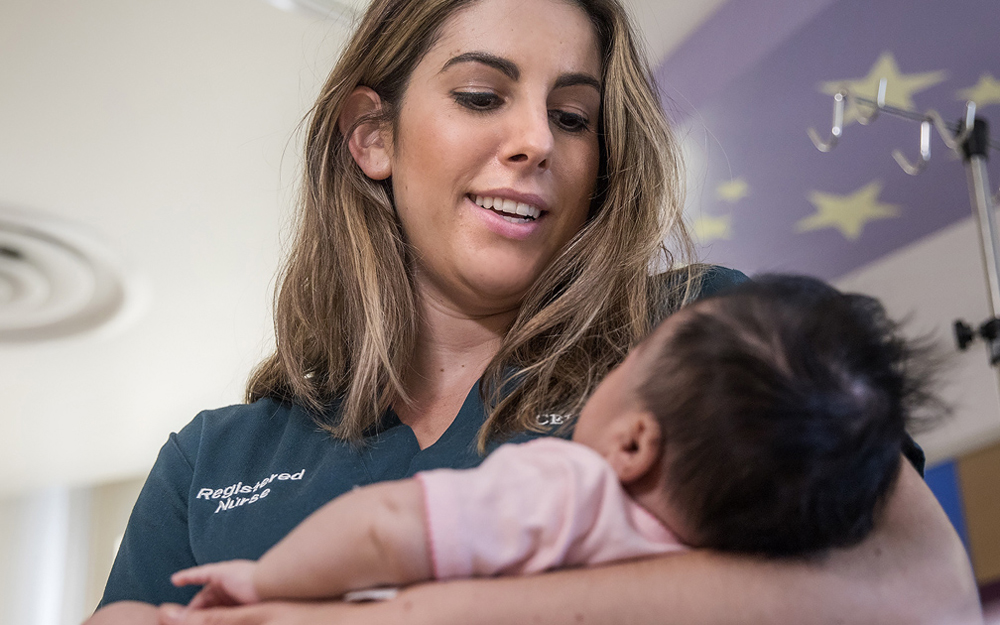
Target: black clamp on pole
(978, 141)
(989, 331)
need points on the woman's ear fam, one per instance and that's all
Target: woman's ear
(366, 140)
(637, 445)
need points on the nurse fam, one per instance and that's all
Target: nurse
(487, 185)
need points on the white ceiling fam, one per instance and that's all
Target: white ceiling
(166, 128)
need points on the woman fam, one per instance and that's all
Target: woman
(483, 194)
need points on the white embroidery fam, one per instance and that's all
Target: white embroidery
(229, 496)
(552, 419)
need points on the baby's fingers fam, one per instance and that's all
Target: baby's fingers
(198, 575)
(201, 575)
(212, 597)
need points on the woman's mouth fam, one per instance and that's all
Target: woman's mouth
(511, 211)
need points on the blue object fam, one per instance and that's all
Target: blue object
(943, 482)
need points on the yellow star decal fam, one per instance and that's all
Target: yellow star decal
(899, 90)
(711, 228)
(986, 91)
(847, 213)
(733, 191)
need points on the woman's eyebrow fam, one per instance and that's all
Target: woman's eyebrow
(512, 71)
(508, 68)
(570, 80)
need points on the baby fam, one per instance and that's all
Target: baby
(769, 419)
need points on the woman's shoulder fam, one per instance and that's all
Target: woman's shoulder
(697, 280)
(263, 413)
(237, 429)
(716, 278)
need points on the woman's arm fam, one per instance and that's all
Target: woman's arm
(912, 569)
(124, 613)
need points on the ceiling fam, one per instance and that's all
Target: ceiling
(167, 131)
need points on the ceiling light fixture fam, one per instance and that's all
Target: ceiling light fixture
(338, 10)
(56, 279)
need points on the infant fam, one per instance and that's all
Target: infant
(769, 419)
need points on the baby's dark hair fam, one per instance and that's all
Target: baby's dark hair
(784, 406)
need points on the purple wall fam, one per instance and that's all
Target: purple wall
(751, 77)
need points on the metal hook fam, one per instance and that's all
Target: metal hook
(954, 142)
(925, 151)
(838, 126)
(864, 120)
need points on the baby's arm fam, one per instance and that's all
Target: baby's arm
(372, 536)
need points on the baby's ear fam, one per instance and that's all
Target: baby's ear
(366, 140)
(637, 447)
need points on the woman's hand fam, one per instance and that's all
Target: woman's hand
(272, 613)
(125, 613)
(225, 583)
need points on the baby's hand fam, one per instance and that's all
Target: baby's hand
(225, 583)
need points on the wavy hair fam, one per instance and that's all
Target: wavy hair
(345, 310)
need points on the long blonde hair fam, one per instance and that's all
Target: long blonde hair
(345, 313)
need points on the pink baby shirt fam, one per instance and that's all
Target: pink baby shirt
(545, 504)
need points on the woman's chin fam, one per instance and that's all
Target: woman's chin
(482, 282)
(502, 292)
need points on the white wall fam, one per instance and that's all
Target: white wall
(932, 283)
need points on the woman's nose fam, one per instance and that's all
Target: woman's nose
(530, 137)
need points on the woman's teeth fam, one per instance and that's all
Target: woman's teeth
(514, 212)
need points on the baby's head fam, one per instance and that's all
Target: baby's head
(767, 419)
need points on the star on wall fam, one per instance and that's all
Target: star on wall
(899, 90)
(847, 213)
(708, 228)
(986, 91)
(732, 191)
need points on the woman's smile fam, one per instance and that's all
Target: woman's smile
(513, 209)
(510, 214)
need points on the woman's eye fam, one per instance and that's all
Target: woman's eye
(570, 122)
(477, 100)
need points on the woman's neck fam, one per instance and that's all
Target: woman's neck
(452, 350)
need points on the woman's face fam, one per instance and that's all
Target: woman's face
(495, 155)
